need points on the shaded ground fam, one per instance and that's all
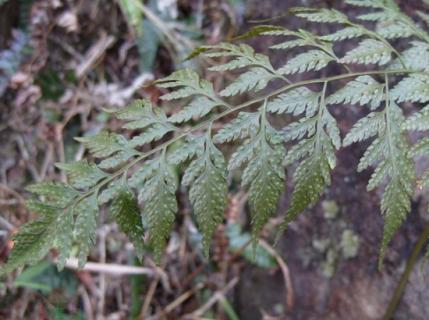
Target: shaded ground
(331, 251)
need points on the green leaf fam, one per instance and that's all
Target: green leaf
(414, 88)
(394, 29)
(118, 159)
(380, 16)
(145, 172)
(343, 34)
(193, 146)
(304, 38)
(58, 194)
(367, 127)
(152, 133)
(126, 212)
(369, 51)
(85, 227)
(138, 109)
(140, 114)
(264, 175)
(373, 154)
(362, 90)
(259, 256)
(244, 125)
(160, 206)
(110, 192)
(420, 148)
(415, 57)
(189, 82)
(310, 179)
(197, 108)
(418, 121)
(255, 79)
(35, 239)
(244, 153)
(103, 144)
(298, 130)
(320, 15)
(243, 56)
(208, 191)
(82, 174)
(295, 102)
(312, 60)
(395, 206)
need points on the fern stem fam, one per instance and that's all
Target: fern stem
(322, 107)
(232, 110)
(397, 294)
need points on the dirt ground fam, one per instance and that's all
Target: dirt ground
(331, 250)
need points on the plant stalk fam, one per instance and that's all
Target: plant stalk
(399, 290)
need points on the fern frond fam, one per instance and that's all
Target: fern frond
(419, 121)
(421, 148)
(188, 82)
(126, 212)
(310, 179)
(295, 102)
(394, 30)
(124, 167)
(82, 174)
(394, 165)
(414, 88)
(367, 127)
(110, 192)
(208, 189)
(194, 146)
(264, 175)
(362, 90)
(85, 227)
(241, 127)
(369, 51)
(243, 56)
(152, 133)
(197, 108)
(415, 57)
(255, 79)
(104, 144)
(118, 159)
(343, 34)
(320, 15)
(160, 205)
(37, 237)
(372, 155)
(317, 152)
(312, 60)
(58, 194)
(298, 130)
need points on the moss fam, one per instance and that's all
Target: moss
(349, 244)
(330, 209)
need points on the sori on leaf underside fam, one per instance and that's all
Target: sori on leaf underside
(139, 187)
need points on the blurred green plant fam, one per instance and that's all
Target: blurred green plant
(256, 255)
(154, 25)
